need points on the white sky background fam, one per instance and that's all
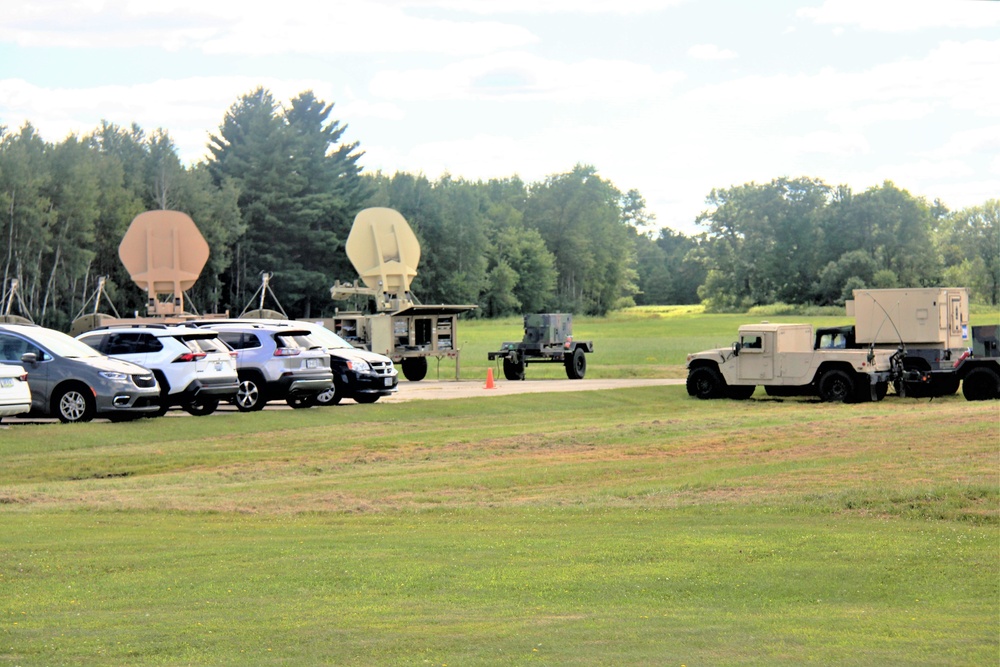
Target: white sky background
(670, 97)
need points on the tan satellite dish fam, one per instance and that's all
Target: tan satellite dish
(384, 251)
(164, 253)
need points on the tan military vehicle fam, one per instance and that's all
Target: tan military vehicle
(789, 360)
(385, 252)
(931, 324)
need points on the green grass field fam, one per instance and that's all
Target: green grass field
(627, 527)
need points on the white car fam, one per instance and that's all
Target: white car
(15, 396)
(193, 367)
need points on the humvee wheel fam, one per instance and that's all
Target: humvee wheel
(740, 392)
(836, 387)
(705, 382)
(981, 384)
(415, 368)
(576, 365)
(513, 369)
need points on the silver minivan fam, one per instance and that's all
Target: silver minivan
(73, 382)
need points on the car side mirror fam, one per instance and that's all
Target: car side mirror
(736, 348)
(29, 358)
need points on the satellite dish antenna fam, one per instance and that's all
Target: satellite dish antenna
(384, 251)
(164, 253)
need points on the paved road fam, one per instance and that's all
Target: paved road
(438, 389)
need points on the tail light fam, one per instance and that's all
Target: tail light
(189, 356)
(286, 351)
(23, 377)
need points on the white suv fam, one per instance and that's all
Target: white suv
(194, 369)
(275, 362)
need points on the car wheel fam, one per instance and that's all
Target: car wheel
(836, 387)
(200, 407)
(328, 396)
(706, 382)
(75, 404)
(366, 398)
(250, 395)
(299, 401)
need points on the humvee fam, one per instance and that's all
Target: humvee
(788, 360)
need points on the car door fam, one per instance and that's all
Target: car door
(12, 348)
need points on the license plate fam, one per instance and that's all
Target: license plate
(388, 382)
(312, 363)
(218, 365)
(6, 382)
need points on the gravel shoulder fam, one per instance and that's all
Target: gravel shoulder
(444, 389)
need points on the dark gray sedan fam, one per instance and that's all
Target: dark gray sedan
(73, 382)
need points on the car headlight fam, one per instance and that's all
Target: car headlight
(359, 366)
(114, 376)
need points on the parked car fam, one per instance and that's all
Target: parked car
(358, 374)
(74, 382)
(15, 395)
(193, 367)
(275, 362)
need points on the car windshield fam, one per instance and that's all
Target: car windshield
(327, 338)
(62, 345)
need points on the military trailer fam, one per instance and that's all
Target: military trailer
(548, 339)
(385, 252)
(941, 350)
(786, 361)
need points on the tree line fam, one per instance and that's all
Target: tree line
(280, 188)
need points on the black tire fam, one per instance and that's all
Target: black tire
(576, 364)
(367, 399)
(706, 382)
(301, 401)
(981, 384)
(250, 395)
(161, 380)
(329, 396)
(414, 368)
(74, 404)
(201, 406)
(881, 389)
(740, 392)
(513, 369)
(836, 387)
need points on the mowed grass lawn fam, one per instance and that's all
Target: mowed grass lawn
(627, 527)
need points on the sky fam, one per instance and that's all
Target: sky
(672, 98)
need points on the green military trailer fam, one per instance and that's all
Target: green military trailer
(548, 339)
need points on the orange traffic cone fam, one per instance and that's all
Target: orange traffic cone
(489, 379)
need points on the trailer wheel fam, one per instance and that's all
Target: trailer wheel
(513, 369)
(706, 382)
(836, 387)
(415, 368)
(576, 365)
(740, 392)
(981, 384)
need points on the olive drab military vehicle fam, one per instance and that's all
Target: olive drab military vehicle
(385, 253)
(548, 339)
(789, 360)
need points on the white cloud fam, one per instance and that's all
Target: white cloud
(710, 52)
(189, 109)
(621, 7)
(904, 15)
(523, 76)
(248, 27)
